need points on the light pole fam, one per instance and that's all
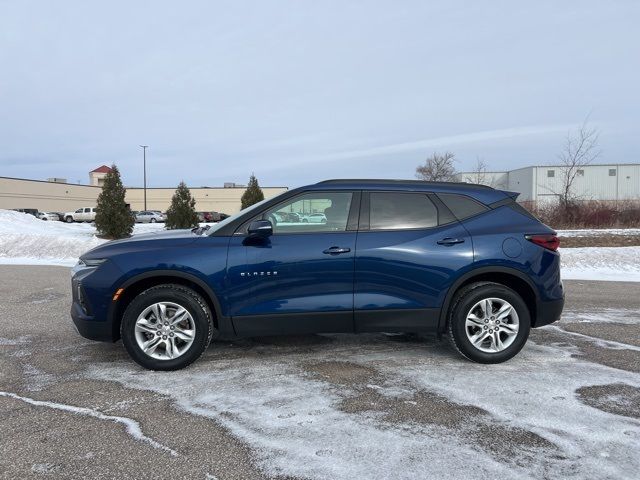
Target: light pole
(144, 163)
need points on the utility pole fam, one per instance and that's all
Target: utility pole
(144, 163)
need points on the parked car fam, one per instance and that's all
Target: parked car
(84, 214)
(315, 218)
(30, 211)
(291, 217)
(449, 258)
(49, 216)
(149, 216)
(205, 217)
(217, 216)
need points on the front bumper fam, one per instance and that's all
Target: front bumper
(88, 316)
(88, 327)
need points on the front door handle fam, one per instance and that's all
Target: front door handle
(336, 250)
(450, 241)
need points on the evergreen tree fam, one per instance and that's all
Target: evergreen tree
(253, 194)
(113, 216)
(182, 212)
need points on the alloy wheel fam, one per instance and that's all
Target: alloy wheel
(165, 330)
(492, 325)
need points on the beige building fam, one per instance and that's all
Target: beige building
(96, 177)
(66, 197)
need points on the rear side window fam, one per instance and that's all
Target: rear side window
(392, 211)
(461, 205)
(520, 209)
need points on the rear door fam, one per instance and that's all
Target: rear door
(409, 250)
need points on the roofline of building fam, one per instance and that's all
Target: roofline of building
(554, 166)
(590, 165)
(137, 188)
(47, 181)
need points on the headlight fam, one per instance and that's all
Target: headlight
(91, 262)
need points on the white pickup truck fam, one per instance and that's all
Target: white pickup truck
(85, 214)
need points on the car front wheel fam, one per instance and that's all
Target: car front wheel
(488, 322)
(167, 327)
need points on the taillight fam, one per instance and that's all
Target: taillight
(550, 242)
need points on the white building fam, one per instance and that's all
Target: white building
(544, 183)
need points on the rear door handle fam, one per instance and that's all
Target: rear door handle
(336, 250)
(450, 241)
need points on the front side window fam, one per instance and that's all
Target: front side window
(311, 212)
(392, 211)
(79, 210)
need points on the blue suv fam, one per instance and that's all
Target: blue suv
(338, 256)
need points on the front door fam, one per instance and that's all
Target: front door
(300, 279)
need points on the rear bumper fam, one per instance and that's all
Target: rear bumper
(548, 312)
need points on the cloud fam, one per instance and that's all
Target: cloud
(423, 146)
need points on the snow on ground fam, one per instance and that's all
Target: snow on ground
(597, 232)
(601, 263)
(133, 427)
(26, 240)
(298, 426)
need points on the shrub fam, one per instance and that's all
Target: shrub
(588, 214)
(253, 194)
(113, 216)
(182, 212)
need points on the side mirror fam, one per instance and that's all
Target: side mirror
(260, 228)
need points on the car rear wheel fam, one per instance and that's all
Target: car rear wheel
(488, 322)
(153, 220)
(167, 327)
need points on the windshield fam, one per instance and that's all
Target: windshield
(230, 219)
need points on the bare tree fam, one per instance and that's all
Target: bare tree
(580, 149)
(479, 172)
(437, 168)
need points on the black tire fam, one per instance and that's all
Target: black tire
(183, 296)
(69, 219)
(153, 220)
(461, 305)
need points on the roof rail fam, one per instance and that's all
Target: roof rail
(370, 181)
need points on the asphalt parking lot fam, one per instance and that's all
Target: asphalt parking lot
(319, 406)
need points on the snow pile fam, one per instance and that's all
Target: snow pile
(24, 239)
(27, 240)
(601, 263)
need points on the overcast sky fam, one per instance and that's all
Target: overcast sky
(299, 91)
